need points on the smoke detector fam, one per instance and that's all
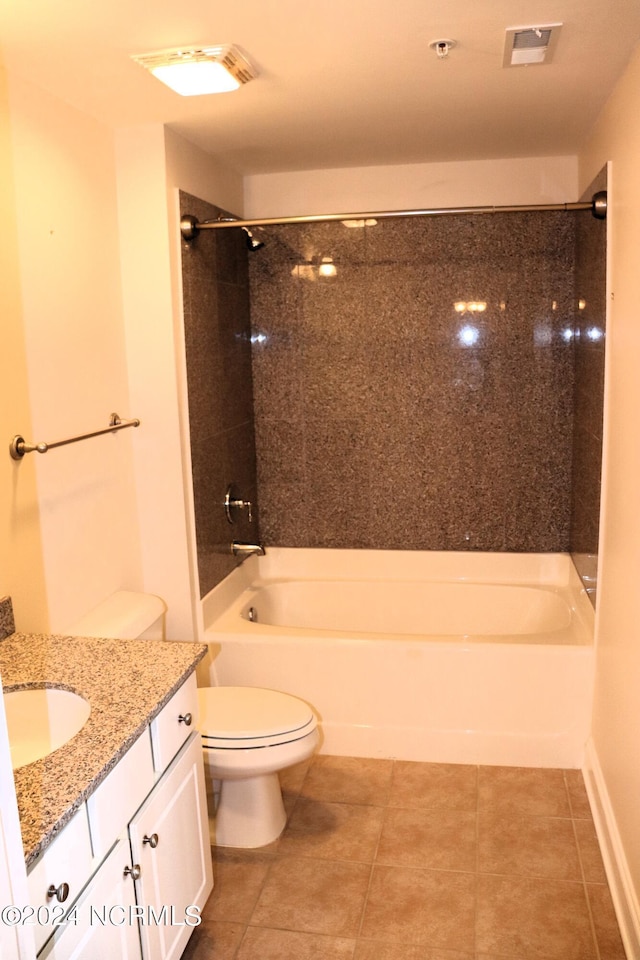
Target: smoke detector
(526, 46)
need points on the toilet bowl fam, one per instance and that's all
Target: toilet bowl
(248, 734)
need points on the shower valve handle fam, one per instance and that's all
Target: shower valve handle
(233, 502)
(244, 505)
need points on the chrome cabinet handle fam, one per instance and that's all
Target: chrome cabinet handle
(152, 840)
(135, 872)
(60, 892)
(185, 718)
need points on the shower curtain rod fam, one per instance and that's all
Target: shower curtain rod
(190, 226)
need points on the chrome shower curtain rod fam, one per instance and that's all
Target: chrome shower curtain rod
(190, 226)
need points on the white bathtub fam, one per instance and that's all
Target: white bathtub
(450, 657)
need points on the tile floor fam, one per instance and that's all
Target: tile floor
(391, 860)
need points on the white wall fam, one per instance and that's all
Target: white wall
(21, 561)
(152, 165)
(64, 170)
(362, 189)
(97, 289)
(616, 719)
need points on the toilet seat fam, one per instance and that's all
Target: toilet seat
(245, 718)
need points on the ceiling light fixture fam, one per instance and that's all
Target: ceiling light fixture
(192, 71)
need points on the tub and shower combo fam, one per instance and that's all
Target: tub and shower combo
(437, 656)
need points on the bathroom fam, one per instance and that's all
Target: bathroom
(99, 203)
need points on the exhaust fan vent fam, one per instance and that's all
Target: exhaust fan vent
(195, 70)
(525, 46)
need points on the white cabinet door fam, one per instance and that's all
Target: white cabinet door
(103, 925)
(66, 863)
(170, 841)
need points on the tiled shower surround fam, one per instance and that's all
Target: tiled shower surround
(217, 343)
(388, 413)
(421, 397)
(7, 623)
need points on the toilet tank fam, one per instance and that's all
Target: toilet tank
(125, 615)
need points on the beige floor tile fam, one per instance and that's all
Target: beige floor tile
(374, 950)
(431, 907)
(292, 778)
(214, 940)
(435, 785)
(533, 919)
(471, 863)
(605, 923)
(435, 839)
(333, 831)
(494, 956)
(262, 943)
(238, 880)
(531, 792)
(589, 850)
(313, 896)
(578, 798)
(348, 780)
(528, 847)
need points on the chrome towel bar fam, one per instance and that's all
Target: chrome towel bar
(19, 446)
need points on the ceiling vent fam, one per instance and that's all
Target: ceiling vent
(526, 46)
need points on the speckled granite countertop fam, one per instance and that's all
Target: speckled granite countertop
(127, 682)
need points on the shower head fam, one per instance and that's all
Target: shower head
(252, 243)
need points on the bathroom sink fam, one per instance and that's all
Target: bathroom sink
(40, 720)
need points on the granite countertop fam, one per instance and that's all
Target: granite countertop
(127, 682)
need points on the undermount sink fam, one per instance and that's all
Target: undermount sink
(39, 720)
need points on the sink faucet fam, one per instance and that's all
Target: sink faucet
(246, 549)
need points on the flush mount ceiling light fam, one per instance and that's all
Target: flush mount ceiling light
(525, 46)
(192, 71)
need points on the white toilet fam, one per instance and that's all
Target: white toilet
(248, 733)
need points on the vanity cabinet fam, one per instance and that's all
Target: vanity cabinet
(148, 826)
(99, 926)
(170, 843)
(58, 876)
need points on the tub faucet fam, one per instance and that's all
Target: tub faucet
(246, 549)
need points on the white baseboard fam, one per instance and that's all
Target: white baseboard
(618, 873)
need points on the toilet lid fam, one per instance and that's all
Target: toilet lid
(245, 717)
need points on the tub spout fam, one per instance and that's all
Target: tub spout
(247, 549)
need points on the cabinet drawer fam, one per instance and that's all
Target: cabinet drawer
(122, 792)
(177, 719)
(67, 860)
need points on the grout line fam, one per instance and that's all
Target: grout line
(240, 942)
(365, 901)
(477, 885)
(582, 872)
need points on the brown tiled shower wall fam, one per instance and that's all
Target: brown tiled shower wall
(218, 352)
(385, 416)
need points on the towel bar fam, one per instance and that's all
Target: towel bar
(19, 446)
